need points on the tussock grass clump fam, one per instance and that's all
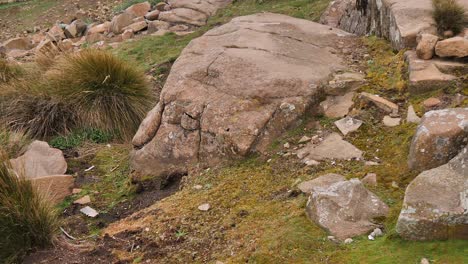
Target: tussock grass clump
(8, 71)
(32, 109)
(27, 219)
(449, 15)
(12, 143)
(105, 92)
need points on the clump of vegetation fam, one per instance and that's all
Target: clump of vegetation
(449, 15)
(77, 138)
(12, 142)
(27, 219)
(32, 109)
(105, 92)
(8, 71)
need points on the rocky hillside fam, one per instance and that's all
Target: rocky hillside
(280, 132)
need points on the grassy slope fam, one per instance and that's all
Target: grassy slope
(251, 216)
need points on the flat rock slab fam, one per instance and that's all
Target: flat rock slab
(436, 203)
(40, 160)
(344, 208)
(429, 75)
(439, 137)
(55, 187)
(234, 90)
(333, 147)
(348, 124)
(337, 106)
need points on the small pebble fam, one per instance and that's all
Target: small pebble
(198, 187)
(425, 261)
(377, 232)
(370, 237)
(286, 145)
(204, 207)
(348, 241)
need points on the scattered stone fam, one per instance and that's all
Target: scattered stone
(344, 82)
(137, 26)
(412, 117)
(435, 203)
(128, 34)
(286, 145)
(345, 209)
(101, 28)
(56, 33)
(439, 137)
(161, 6)
(348, 241)
(448, 34)
(88, 211)
(425, 261)
(18, 44)
(370, 237)
(40, 160)
(83, 200)
(377, 232)
(452, 47)
(198, 187)
(304, 139)
(337, 106)
(333, 147)
(310, 162)
(204, 207)
(380, 102)
(427, 75)
(370, 179)
(139, 10)
(184, 15)
(431, 103)
(121, 21)
(65, 45)
(390, 121)
(348, 124)
(76, 191)
(371, 163)
(322, 182)
(155, 26)
(76, 29)
(395, 185)
(54, 187)
(152, 15)
(426, 46)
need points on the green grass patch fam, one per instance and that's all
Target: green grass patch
(79, 137)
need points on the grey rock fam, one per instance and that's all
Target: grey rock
(348, 124)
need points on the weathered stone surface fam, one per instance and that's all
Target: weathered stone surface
(152, 15)
(431, 103)
(452, 47)
(332, 147)
(47, 47)
(208, 7)
(55, 187)
(399, 21)
(345, 209)
(344, 82)
(101, 28)
(436, 203)
(76, 29)
(40, 160)
(95, 37)
(439, 137)
(370, 179)
(322, 182)
(65, 45)
(335, 11)
(426, 46)
(184, 15)
(382, 103)
(236, 115)
(391, 121)
(427, 75)
(411, 116)
(139, 9)
(337, 106)
(348, 124)
(18, 44)
(55, 33)
(137, 27)
(121, 21)
(154, 26)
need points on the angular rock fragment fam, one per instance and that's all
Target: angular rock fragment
(345, 208)
(436, 203)
(332, 147)
(439, 137)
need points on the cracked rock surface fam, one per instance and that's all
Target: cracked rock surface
(235, 89)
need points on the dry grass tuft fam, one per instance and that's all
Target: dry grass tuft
(8, 71)
(449, 15)
(27, 219)
(107, 93)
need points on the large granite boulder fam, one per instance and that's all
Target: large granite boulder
(439, 137)
(139, 10)
(234, 90)
(192, 12)
(344, 208)
(121, 21)
(452, 47)
(436, 203)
